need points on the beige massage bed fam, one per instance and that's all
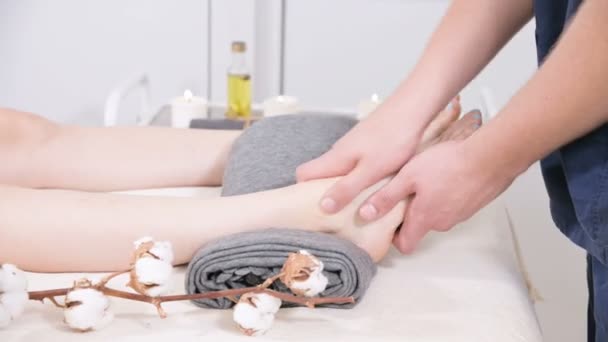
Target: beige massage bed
(465, 285)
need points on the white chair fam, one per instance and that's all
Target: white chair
(139, 83)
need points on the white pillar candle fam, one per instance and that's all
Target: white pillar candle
(367, 106)
(187, 107)
(281, 105)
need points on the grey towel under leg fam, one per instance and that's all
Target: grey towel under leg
(266, 157)
(247, 259)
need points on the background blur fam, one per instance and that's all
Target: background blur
(61, 58)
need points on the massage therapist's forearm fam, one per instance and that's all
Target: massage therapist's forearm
(567, 98)
(470, 34)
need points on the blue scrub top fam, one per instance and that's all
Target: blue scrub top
(576, 175)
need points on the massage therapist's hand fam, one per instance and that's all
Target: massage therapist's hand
(447, 184)
(374, 149)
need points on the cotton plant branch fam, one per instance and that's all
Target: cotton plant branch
(51, 294)
(157, 301)
(86, 305)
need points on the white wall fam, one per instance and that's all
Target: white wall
(230, 20)
(258, 23)
(341, 51)
(358, 47)
(60, 58)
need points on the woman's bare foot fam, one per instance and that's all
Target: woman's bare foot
(460, 129)
(442, 121)
(375, 237)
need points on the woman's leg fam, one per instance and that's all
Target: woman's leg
(37, 153)
(56, 230)
(63, 230)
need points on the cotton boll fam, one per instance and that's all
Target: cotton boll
(251, 321)
(13, 293)
(151, 277)
(163, 250)
(87, 309)
(5, 317)
(266, 303)
(141, 241)
(152, 269)
(254, 313)
(95, 279)
(313, 286)
(14, 302)
(12, 279)
(157, 290)
(303, 274)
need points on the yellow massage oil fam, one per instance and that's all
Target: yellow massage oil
(239, 84)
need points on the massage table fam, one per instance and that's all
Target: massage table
(465, 285)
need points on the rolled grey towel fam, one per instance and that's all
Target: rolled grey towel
(247, 259)
(265, 157)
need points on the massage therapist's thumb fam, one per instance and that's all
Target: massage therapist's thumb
(412, 230)
(330, 164)
(384, 200)
(350, 186)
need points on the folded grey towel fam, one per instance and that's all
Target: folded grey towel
(265, 157)
(267, 154)
(247, 259)
(217, 124)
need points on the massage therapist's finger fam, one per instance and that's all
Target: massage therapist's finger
(349, 186)
(385, 199)
(412, 230)
(332, 163)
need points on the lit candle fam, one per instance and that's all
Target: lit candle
(368, 106)
(187, 107)
(281, 105)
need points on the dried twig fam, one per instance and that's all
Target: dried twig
(157, 301)
(298, 267)
(270, 280)
(111, 276)
(54, 301)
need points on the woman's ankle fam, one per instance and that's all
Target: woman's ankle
(374, 237)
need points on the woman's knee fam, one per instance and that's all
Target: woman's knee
(22, 128)
(21, 135)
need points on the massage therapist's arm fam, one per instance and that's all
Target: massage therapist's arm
(470, 34)
(566, 98)
(38, 153)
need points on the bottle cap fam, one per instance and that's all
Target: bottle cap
(239, 46)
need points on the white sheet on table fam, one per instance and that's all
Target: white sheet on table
(459, 286)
